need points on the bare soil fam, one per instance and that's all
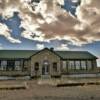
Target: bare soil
(47, 92)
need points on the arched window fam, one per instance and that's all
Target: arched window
(36, 66)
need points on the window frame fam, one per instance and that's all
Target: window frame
(85, 65)
(10, 65)
(77, 65)
(71, 65)
(36, 66)
(54, 65)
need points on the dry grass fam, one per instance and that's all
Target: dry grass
(13, 86)
(47, 92)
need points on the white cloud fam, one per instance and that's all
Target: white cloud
(5, 31)
(88, 13)
(13, 40)
(62, 47)
(40, 46)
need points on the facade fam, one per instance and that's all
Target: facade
(46, 62)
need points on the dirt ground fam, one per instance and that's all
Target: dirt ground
(46, 92)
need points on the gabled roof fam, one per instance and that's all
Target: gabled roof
(38, 51)
(62, 54)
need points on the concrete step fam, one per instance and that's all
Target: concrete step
(45, 76)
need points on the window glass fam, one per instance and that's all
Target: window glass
(83, 64)
(17, 62)
(89, 65)
(71, 65)
(64, 65)
(78, 65)
(10, 65)
(17, 65)
(3, 65)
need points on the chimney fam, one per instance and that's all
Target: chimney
(52, 49)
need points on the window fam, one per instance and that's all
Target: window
(83, 65)
(89, 65)
(36, 66)
(78, 65)
(64, 64)
(3, 65)
(71, 65)
(55, 67)
(25, 67)
(10, 65)
(17, 65)
(46, 65)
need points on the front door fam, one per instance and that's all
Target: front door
(45, 68)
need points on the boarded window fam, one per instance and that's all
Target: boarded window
(36, 66)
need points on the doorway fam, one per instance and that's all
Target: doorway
(45, 68)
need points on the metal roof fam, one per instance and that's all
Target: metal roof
(76, 55)
(16, 53)
(63, 54)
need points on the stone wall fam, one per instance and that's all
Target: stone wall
(41, 57)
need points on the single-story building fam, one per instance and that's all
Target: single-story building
(46, 62)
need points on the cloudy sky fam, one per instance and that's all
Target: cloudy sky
(62, 24)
